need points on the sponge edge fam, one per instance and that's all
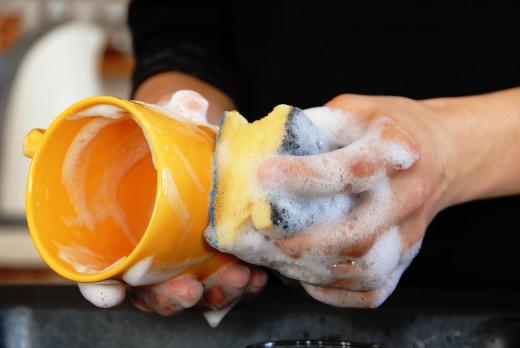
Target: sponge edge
(237, 198)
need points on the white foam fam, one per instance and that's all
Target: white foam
(328, 214)
(374, 268)
(76, 257)
(125, 155)
(175, 199)
(104, 294)
(85, 260)
(144, 272)
(188, 104)
(399, 155)
(194, 176)
(298, 212)
(215, 317)
(105, 110)
(138, 271)
(371, 299)
(74, 174)
(343, 127)
(253, 247)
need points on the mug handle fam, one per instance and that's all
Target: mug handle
(32, 142)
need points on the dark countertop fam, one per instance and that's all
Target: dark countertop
(57, 316)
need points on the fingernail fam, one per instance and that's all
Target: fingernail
(140, 305)
(190, 295)
(215, 297)
(258, 281)
(237, 277)
(137, 297)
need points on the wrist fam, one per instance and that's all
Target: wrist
(481, 156)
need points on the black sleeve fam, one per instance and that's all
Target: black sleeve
(195, 37)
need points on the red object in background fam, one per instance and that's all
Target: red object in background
(10, 30)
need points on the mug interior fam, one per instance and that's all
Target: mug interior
(92, 189)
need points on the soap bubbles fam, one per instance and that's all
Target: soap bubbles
(331, 207)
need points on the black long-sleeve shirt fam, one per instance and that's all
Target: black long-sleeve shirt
(303, 53)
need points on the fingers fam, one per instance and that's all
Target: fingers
(227, 285)
(372, 270)
(257, 281)
(170, 297)
(343, 127)
(365, 299)
(351, 236)
(350, 297)
(362, 106)
(353, 168)
(353, 299)
(218, 291)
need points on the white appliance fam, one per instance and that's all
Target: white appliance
(61, 68)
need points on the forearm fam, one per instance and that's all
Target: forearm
(484, 134)
(161, 86)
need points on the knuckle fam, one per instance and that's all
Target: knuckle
(349, 99)
(342, 99)
(416, 199)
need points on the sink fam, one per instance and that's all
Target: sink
(56, 316)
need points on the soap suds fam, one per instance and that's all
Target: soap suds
(85, 260)
(103, 294)
(144, 272)
(356, 162)
(194, 176)
(373, 299)
(215, 317)
(175, 199)
(125, 155)
(74, 174)
(107, 111)
(188, 104)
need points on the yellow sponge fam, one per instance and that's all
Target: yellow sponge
(237, 198)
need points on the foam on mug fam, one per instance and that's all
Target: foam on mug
(74, 174)
(108, 111)
(123, 155)
(85, 260)
(142, 273)
(127, 154)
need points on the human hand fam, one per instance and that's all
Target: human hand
(393, 159)
(171, 297)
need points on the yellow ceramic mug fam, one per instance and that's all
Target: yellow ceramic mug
(124, 196)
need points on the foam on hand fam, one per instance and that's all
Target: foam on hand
(246, 218)
(237, 196)
(249, 220)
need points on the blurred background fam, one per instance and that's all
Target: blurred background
(52, 54)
